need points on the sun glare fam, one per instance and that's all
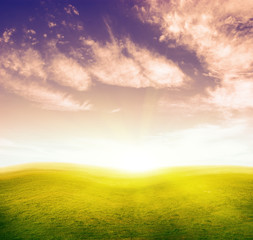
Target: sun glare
(199, 146)
(137, 160)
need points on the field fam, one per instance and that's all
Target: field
(71, 202)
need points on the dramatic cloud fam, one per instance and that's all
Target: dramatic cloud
(123, 63)
(172, 86)
(219, 32)
(25, 73)
(50, 70)
(221, 38)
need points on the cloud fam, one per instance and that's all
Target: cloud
(70, 9)
(29, 64)
(68, 72)
(26, 63)
(52, 24)
(31, 31)
(221, 36)
(118, 63)
(116, 110)
(6, 38)
(50, 78)
(209, 145)
(25, 73)
(123, 63)
(235, 94)
(44, 96)
(30, 36)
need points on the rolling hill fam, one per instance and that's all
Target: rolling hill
(61, 201)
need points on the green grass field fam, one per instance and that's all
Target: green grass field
(70, 202)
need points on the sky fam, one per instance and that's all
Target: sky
(126, 84)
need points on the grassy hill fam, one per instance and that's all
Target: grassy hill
(70, 202)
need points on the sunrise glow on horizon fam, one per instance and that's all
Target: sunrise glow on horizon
(130, 85)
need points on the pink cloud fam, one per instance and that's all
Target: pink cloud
(25, 73)
(68, 72)
(123, 63)
(220, 33)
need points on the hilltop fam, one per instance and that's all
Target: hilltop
(62, 201)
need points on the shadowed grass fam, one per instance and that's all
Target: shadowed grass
(68, 202)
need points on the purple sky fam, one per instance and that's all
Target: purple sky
(143, 76)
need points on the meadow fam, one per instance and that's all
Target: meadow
(59, 201)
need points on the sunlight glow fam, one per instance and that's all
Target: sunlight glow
(137, 160)
(203, 145)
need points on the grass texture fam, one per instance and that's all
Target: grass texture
(56, 202)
